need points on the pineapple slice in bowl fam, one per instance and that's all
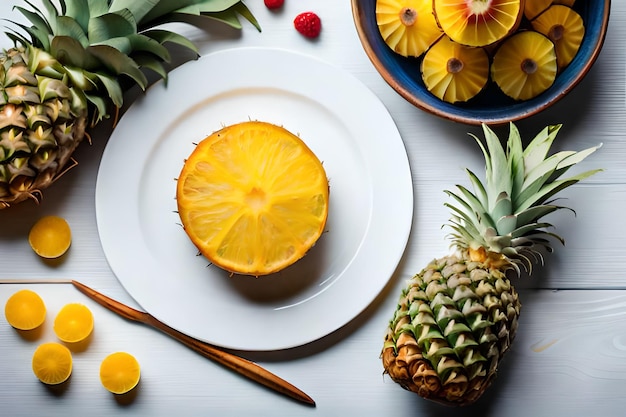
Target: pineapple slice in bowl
(491, 105)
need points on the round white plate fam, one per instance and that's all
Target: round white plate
(370, 213)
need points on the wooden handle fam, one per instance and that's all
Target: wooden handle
(242, 366)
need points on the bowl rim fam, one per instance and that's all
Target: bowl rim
(470, 120)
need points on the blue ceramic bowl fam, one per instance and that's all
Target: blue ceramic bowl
(490, 106)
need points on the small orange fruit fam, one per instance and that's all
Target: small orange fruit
(25, 310)
(253, 198)
(50, 237)
(73, 323)
(119, 372)
(52, 363)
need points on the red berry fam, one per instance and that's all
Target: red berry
(308, 24)
(274, 4)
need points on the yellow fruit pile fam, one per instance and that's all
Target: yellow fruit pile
(52, 362)
(521, 45)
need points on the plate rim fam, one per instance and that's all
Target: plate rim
(404, 213)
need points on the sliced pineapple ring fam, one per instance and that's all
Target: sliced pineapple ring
(566, 30)
(478, 22)
(525, 65)
(454, 72)
(407, 26)
(253, 197)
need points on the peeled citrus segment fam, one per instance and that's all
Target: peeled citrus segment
(52, 363)
(478, 22)
(454, 72)
(525, 65)
(565, 28)
(532, 8)
(25, 310)
(73, 323)
(253, 198)
(119, 372)
(50, 237)
(407, 26)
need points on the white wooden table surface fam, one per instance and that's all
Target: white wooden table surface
(569, 358)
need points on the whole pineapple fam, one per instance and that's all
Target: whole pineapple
(68, 71)
(458, 316)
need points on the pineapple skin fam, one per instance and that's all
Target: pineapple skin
(40, 127)
(453, 324)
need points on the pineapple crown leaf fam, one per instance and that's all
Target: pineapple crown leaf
(119, 63)
(503, 214)
(111, 25)
(164, 36)
(73, 55)
(38, 21)
(226, 11)
(80, 11)
(113, 88)
(66, 26)
(38, 38)
(139, 9)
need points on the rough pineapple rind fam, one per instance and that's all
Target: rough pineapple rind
(40, 127)
(453, 323)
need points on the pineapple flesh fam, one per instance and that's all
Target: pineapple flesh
(68, 70)
(525, 65)
(453, 72)
(407, 26)
(457, 318)
(565, 28)
(478, 22)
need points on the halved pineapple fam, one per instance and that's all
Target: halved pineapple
(407, 26)
(565, 28)
(525, 65)
(454, 72)
(478, 22)
(253, 198)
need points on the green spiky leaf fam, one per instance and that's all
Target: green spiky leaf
(113, 88)
(66, 26)
(504, 213)
(133, 44)
(165, 36)
(165, 7)
(111, 25)
(79, 11)
(38, 38)
(70, 52)
(99, 7)
(139, 9)
(148, 62)
(119, 63)
(36, 19)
